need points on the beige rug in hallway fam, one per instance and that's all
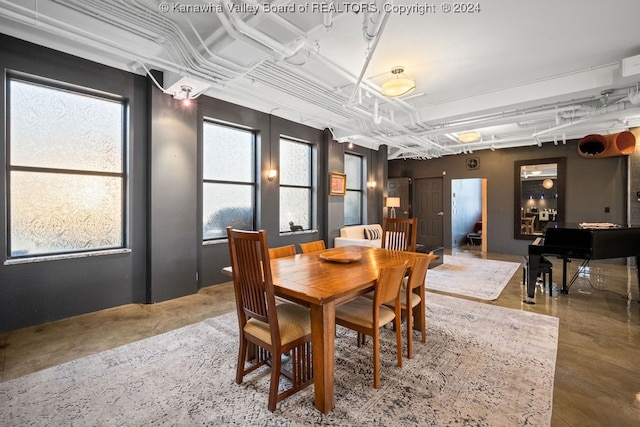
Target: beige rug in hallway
(472, 277)
(482, 366)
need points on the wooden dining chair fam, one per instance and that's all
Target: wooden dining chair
(366, 316)
(314, 246)
(399, 234)
(414, 296)
(528, 224)
(282, 251)
(272, 329)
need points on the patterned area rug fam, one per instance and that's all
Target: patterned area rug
(473, 277)
(482, 365)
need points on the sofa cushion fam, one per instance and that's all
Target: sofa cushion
(352, 232)
(372, 233)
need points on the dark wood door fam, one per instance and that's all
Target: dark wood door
(428, 209)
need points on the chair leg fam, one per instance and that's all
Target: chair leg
(242, 354)
(398, 324)
(409, 332)
(276, 366)
(376, 357)
(423, 319)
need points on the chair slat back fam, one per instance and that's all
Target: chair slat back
(388, 284)
(399, 234)
(419, 271)
(314, 246)
(282, 251)
(252, 280)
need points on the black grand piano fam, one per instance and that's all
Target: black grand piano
(569, 241)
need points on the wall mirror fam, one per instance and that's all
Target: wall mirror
(539, 196)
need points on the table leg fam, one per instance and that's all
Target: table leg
(638, 270)
(564, 289)
(323, 331)
(419, 313)
(532, 276)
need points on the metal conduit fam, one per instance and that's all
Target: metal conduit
(193, 62)
(59, 28)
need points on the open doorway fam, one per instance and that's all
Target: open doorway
(469, 214)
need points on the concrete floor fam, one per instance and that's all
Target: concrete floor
(597, 374)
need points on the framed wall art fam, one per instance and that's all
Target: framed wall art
(337, 184)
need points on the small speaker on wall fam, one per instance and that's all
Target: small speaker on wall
(473, 163)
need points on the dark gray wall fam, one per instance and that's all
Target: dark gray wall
(592, 185)
(38, 292)
(167, 258)
(172, 192)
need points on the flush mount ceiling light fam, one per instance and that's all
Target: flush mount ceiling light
(399, 84)
(469, 136)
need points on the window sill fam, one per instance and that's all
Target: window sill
(66, 256)
(281, 233)
(295, 233)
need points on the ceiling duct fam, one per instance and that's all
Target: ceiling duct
(617, 144)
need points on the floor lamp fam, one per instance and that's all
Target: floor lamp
(393, 203)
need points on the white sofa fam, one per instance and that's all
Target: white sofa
(355, 235)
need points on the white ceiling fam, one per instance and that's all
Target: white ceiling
(519, 72)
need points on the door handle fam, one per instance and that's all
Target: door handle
(440, 213)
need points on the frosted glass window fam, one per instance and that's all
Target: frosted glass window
(228, 192)
(353, 166)
(295, 184)
(227, 205)
(229, 153)
(64, 130)
(354, 194)
(353, 170)
(295, 163)
(66, 171)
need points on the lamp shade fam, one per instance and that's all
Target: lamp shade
(547, 183)
(393, 202)
(399, 84)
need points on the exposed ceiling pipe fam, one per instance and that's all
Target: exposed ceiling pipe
(372, 49)
(372, 22)
(62, 29)
(601, 116)
(495, 119)
(377, 119)
(132, 19)
(327, 17)
(252, 33)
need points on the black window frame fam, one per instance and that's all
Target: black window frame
(360, 190)
(123, 174)
(253, 183)
(310, 187)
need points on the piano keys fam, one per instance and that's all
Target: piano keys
(568, 241)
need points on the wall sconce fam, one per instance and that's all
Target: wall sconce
(271, 175)
(371, 185)
(393, 203)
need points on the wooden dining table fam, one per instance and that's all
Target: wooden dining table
(321, 284)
